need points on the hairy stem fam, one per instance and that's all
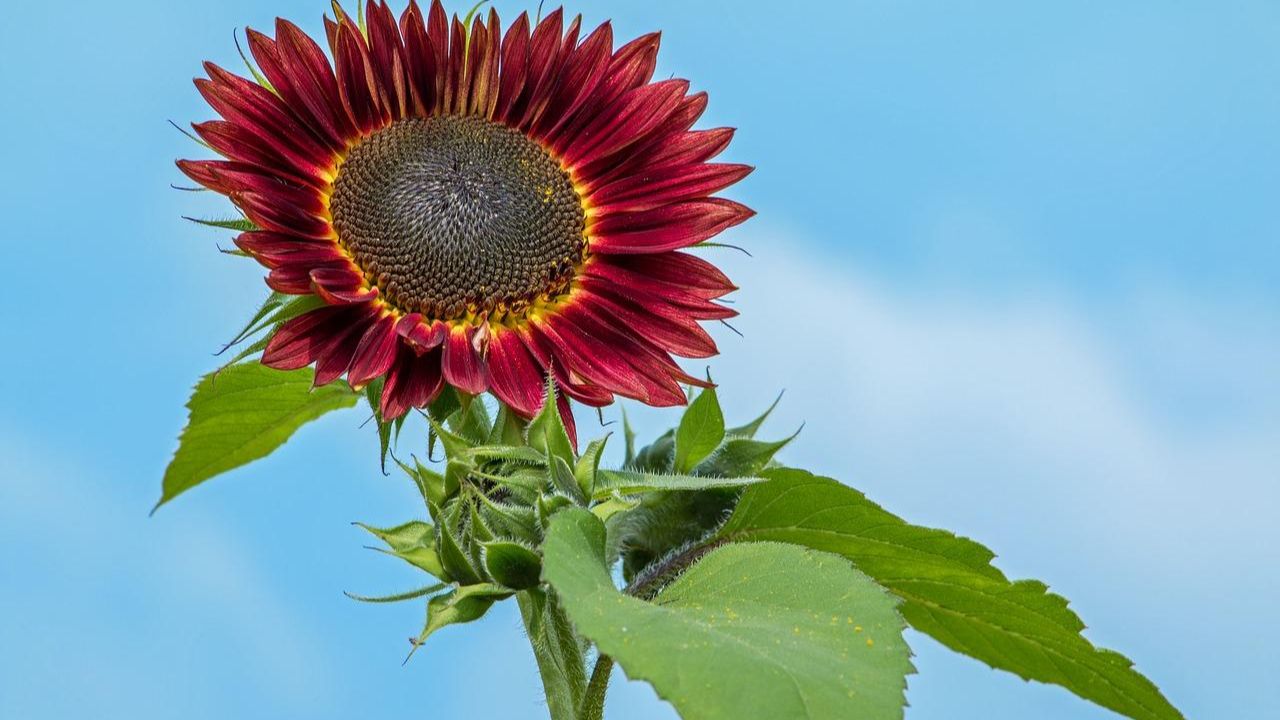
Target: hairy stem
(653, 578)
(593, 701)
(558, 651)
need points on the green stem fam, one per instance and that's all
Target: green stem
(558, 652)
(593, 701)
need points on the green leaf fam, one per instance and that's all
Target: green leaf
(762, 631)
(463, 605)
(547, 433)
(413, 542)
(741, 457)
(629, 482)
(512, 564)
(700, 432)
(949, 587)
(750, 429)
(242, 414)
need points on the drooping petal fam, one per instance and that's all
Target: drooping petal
(464, 365)
(413, 382)
(376, 352)
(298, 342)
(515, 375)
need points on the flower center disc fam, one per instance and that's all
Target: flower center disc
(455, 214)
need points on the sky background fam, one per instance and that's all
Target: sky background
(1016, 266)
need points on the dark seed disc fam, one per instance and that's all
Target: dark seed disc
(454, 213)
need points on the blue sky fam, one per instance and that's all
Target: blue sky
(1016, 266)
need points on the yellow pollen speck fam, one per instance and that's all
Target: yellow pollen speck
(857, 628)
(870, 642)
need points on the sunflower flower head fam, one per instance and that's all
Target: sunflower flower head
(476, 207)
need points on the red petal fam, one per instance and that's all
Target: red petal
(438, 32)
(515, 67)
(631, 66)
(333, 360)
(463, 364)
(414, 381)
(652, 190)
(284, 213)
(625, 123)
(586, 355)
(544, 53)
(664, 274)
(299, 71)
(387, 54)
(273, 253)
(635, 158)
(376, 353)
(578, 387)
(267, 244)
(342, 285)
(566, 417)
(252, 106)
(299, 341)
(236, 178)
(680, 335)
(360, 89)
(515, 376)
(420, 335)
(237, 143)
(420, 59)
(584, 69)
(667, 228)
(454, 89)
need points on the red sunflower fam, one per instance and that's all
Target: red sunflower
(476, 207)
